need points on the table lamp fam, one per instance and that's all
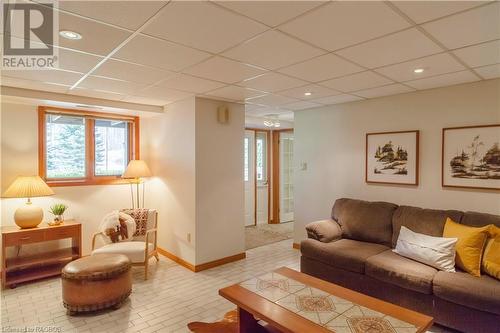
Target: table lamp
(29, 215)
(136, 169)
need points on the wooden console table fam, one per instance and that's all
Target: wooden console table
(42, 264)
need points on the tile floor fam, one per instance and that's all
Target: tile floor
(171, 298)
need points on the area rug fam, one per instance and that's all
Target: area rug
(263, 234)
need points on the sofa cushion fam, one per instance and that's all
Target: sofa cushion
(481, 293)
(424, 221)
(365, 221)
(347, 254)
(475, 219)
(403, 272)
(325, 230)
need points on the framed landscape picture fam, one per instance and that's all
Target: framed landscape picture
(471, 157)
(392, 157)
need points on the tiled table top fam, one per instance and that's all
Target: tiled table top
(333, 313)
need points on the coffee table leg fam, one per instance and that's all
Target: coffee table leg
(247, 323)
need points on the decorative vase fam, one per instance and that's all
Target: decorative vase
(58, 219)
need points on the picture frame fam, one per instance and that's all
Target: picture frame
(470, 157)
(392, 158)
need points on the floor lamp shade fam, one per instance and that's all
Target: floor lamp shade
(136, 169)
(29, 215)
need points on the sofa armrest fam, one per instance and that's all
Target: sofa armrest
(324, 231)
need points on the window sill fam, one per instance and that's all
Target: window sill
(87, 182)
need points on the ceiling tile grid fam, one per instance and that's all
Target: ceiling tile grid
(271, 52)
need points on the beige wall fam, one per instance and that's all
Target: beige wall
(331, 140)
(19, 145)
(219, 182)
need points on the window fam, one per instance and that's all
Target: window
(246, 159)
(83, 148)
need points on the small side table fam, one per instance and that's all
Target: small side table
(42, 264)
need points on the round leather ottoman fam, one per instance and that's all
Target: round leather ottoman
(96, 282)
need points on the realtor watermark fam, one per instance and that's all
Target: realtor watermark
(30, 33)
(29, 329)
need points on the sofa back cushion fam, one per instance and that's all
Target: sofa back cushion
(424, 221)
(475, 219)
(365, 221)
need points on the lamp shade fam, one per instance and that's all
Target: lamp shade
(137, 169)
(28, 187)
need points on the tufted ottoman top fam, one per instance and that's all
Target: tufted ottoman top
(96, 267)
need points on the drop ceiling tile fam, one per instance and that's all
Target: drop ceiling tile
(97, 94)
(321, 68)
(121, 70)
(145, 100)
(343, 23)
(391, 89)
(224, 70)
(163, 93)
(315, 90)
(271, 13)
(423, 11)
(272, 50)
(272, 100)
(126, 14)
(489, 72)
(97, 38)
(56, 76)
(358, 81)
(343, 98)
(267, 111)
(433, 65)
(235, 93)
(252, 107)
(34, 85)
(480, 55)
(77, 61)
(471, 27)
(398, 47)
(190, 84)
(202, 25)
(301, 105)
(110, 85)
(158, 53)
(272, 82)
(443, 80)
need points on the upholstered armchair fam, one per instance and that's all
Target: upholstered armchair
(142, 245)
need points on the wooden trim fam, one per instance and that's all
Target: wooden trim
(296, 246)
(442, 158)
(269, 176)
(255, 178)
(90, 177)
(201, 267)
(417, 160)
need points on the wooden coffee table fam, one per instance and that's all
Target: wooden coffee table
(295, 302)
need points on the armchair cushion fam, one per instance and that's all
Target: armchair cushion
(325, 230)
(134, 250)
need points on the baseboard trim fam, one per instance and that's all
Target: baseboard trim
(201, 267)
(296, 246)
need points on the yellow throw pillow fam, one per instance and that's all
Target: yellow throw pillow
(491, 257)
(470, 245)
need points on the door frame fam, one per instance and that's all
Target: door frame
(276, 174)
(268, 167)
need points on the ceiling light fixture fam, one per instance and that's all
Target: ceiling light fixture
(272, 120)
(418, 70)
(68, 34)
(308, 93)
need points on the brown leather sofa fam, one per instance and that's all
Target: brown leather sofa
(353, 249)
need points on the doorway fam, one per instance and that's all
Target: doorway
(268, 177)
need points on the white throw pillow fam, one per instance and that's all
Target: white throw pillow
(438, 252)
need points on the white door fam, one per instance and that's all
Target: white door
(262, 176)
(286, 176)
(249, 177)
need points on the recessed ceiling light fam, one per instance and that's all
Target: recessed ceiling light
(418, 70)
(70, 34)
(308, 93)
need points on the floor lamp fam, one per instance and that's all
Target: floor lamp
(136, 170)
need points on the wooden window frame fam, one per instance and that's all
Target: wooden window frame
(89, 116)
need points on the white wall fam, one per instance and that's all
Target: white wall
(332, 142)
(219, 182)
(169, 148)
(19, 144)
